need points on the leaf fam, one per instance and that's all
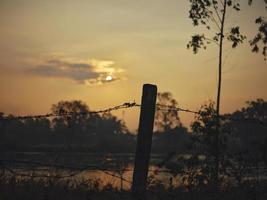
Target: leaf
(199, 11)
(235, 36)
(255, 49)
(196, 43)
(258, 20)
(260, 39)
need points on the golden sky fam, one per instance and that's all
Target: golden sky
(63, 49)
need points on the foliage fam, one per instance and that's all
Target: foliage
(73, 107)
(210, 13)
(204, 129)
(248, 128)
(13, 188)
(166, 119)
(170, 134)
(78, 130)
(242, 143)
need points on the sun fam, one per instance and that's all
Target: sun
(109, 78)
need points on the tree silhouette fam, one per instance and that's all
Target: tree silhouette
(249, 126)
(212, 15)
(70, 122)
(166, 119)
(2, 127)
(73, 127)
(205, 141)
(78, 126)
(73, 109)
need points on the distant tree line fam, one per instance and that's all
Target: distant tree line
(106, 133)
(81, 132)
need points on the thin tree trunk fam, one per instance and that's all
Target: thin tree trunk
(217, 160)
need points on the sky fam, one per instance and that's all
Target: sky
(103, 51)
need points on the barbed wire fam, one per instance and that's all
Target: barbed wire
(175, 109)
(64, 113)
(159, 107)
(37, 164)
(228, 117)
(74, 171)
(118, 107)
(69, 167)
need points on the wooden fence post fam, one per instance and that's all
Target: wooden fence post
(144, 140)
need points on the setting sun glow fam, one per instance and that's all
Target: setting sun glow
(109, 78)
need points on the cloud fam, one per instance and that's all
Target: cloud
(92, 72)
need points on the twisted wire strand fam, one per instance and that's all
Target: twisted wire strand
(62, 113)
(159, 107)
(222, 117)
